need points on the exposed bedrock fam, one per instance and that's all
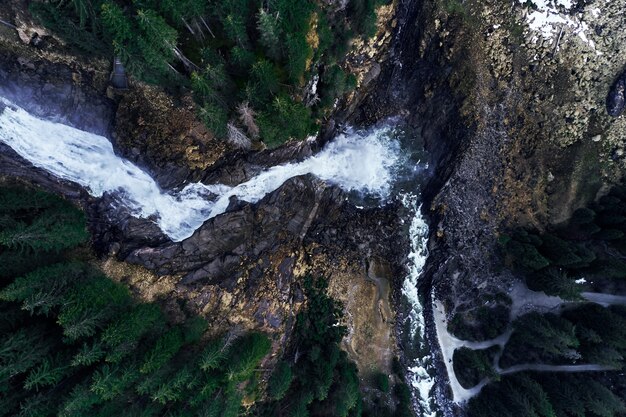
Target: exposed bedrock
(616, 100)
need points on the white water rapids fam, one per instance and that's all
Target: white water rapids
(364, 162)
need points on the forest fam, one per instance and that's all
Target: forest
(258, 70)
(585, 255)
(73, 342)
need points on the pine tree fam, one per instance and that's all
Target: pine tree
(298, 53)
(123, 336)
(363, 14)
(49, 372)
(45, 288)
(157, 42)
(583, 216)
(554, 281)
(215, 118)
(243, 358)
(213, 355)
(264, 80)
(22, 350)
(57, 228)
(600, 400)
(525, 255)
(88, 354)
(243, 59)
(38, 405)
(165, 348)
(267, 25)
(110, 381)
(280, 381)
(91, 304)
(547, 336)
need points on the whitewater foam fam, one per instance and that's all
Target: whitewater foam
(362, 162)
(418, 371)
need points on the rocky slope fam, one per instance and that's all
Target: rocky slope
(514, 113)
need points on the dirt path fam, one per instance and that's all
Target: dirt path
(524, 301)
(604, 299)
(540, 367)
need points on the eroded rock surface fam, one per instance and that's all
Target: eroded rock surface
(616, 101)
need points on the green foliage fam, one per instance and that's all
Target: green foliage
(279, 381)
(481, 323)
(583, 216)
(215, 118)
(79, 26)
(164, 349)
(242, 360)
(540, 338)
(264, 82)
(286, 120)
(298, 52)
(88, 354)
(546, 394)
(270, 32)
(123, 336)
(364, 13)
(335, 83)
(213, 355)
(49, 372)
(75, 343)
(324, 381)
(554, 281)
(53, 228)
(168, 42)
(584, 247)
(381, 381)
(522, 247)
(472, 366)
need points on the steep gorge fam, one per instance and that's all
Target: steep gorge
(516, 133)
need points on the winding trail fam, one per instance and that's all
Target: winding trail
(540, 367)
(524, 301)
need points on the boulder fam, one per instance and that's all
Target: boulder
(616, 100)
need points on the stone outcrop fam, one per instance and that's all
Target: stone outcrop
(55, 90)
(616, 100)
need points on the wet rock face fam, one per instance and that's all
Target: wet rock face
(55, 91)
(616, 101)
(247, 232)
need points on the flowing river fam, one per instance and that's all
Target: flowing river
(378, 164)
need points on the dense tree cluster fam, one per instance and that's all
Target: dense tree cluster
(588, 333)
(591, 245)
(472, 366)
(75, 343)
(481, 323)
(234, 54)
(546, 395)
(321, 379)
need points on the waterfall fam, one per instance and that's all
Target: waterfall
(369, 163)
(361, 162)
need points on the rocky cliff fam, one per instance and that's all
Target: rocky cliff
(511, 101)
